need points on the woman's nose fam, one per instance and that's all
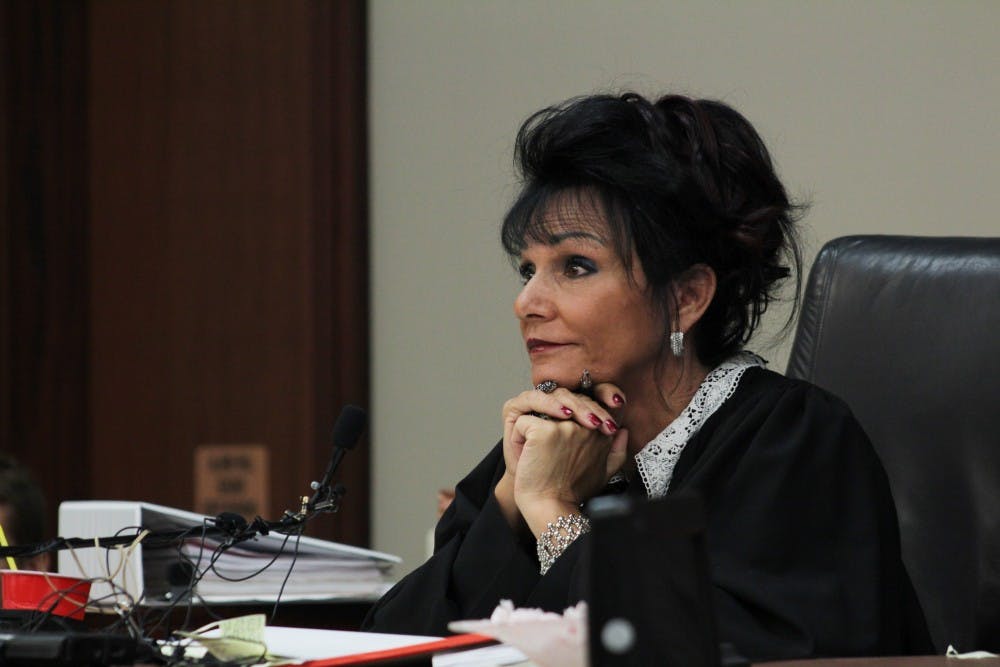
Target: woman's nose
(534, 300)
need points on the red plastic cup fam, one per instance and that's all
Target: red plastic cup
(44, 592)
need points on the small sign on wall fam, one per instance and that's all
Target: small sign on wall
(232, 478)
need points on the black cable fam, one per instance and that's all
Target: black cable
(191, 583)
(198, 574)
(295, 557)
(227, 530)
(154, 540)
(280, 551)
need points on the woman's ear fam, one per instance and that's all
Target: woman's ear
(693, 292)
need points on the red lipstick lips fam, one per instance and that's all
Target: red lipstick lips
(537, 345)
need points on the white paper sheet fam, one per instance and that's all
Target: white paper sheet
(310, 644)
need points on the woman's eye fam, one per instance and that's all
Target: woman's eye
(526, 271)
(577, 267)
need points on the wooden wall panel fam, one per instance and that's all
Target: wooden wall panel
(340, 125)
(184, 254)
(43, 260)
(213, 218)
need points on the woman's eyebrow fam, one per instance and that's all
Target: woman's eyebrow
(556, 239)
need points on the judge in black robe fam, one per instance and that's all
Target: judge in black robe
(802, 537)
(650, 237)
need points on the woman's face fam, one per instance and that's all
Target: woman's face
(579, 309)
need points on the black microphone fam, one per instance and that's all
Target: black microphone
(346, 432)
(348, 427)
(231, 523)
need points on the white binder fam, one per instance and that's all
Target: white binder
(322, 570)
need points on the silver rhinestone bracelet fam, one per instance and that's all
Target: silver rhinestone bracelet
(557, 536)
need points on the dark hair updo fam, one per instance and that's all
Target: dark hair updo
(683, 182)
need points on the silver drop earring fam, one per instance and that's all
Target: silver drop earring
(677, 343)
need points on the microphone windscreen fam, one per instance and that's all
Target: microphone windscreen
(348, 427)
(231, 523)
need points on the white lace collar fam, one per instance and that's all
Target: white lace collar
(656, 461)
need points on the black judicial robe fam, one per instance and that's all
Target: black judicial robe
(802, 537)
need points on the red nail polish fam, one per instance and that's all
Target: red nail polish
(594, 419)
(566, 411)
(613, 427)
(617, 400)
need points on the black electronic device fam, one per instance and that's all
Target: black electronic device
(77, 649)
(650, 594)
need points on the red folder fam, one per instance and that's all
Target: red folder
(405, 653)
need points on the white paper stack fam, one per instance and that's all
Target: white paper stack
(322, 570)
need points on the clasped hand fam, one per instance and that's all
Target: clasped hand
(560, 449)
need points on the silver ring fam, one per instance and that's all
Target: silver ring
(547, 387)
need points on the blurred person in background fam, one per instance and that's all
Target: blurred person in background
(22, 512)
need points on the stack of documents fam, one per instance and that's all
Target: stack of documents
(252, 570)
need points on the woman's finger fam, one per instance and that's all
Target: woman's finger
(609, 395)
(563, 404)
(618, 453)
(587, 411)
(532, 403)
(538, 403)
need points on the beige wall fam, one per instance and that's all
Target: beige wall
(883, 114)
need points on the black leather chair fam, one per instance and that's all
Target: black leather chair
(907, 331)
